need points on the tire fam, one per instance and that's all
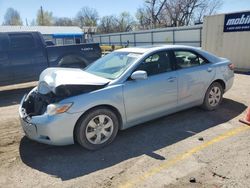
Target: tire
(97, 128)
(213, 97)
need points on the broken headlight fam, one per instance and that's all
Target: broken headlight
(53, 109)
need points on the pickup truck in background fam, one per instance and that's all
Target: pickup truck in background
(24, 55)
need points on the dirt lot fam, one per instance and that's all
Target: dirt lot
(210, 148)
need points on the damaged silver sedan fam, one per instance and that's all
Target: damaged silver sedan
(122, 89)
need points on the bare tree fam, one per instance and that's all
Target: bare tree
(107, 24)
(125, 22)
(209, 7)
(155, 8)
(64, 22)
(87, 17)
(150, 13)
(44, 17)
(122, 23)
(144, 18)
(180, 11)
(186, 12)
(12, 17)
(175, 12)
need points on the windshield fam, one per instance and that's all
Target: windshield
(111, 66)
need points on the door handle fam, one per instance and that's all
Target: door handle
(171, 79)
(209, 69)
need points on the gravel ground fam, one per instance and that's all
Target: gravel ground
(134, 158)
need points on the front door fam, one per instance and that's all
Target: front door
(154, 96)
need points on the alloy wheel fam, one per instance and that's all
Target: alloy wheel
(99, 129)
(214, 96)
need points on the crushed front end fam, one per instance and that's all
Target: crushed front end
(40, 126)
(44, 114)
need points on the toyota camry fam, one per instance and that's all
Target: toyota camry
(124, 88)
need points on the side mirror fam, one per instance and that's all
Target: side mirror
(139, 75)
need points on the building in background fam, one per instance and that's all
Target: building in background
(228, 35)
(59, 35)
(89, 32)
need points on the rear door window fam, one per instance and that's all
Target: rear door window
(187, 59)
(21, 41)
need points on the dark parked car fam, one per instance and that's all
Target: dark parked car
(24, 55)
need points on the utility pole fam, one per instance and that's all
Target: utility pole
(42, 21)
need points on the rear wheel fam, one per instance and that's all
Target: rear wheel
(213, 96)
(97, 128)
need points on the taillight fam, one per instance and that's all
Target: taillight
(231, 66)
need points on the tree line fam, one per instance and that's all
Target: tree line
(152, 14)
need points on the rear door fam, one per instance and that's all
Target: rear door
(195, 74)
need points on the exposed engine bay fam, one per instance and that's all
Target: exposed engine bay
(36, 103)
(56, 84)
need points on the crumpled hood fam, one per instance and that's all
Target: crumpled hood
(55, 77)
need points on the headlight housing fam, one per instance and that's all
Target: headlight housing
(53, 109)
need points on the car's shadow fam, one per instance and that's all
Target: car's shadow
(73, 161)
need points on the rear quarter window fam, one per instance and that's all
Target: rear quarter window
(21, 41)
(186, 59)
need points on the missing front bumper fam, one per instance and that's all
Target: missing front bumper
(52, 130)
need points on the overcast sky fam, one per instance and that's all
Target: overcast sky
(69, 8)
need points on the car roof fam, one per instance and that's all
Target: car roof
(151, 48)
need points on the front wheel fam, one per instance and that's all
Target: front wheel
(213, 96)
(97, 128)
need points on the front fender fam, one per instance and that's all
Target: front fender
(110, 95)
